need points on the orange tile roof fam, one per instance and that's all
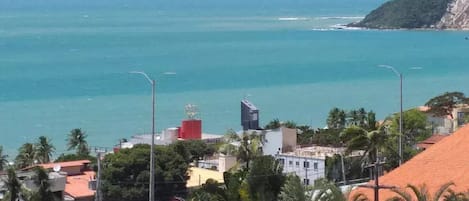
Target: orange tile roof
(443, 162)
(77, 185)
(65, 164)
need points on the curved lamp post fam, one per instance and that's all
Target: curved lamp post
(152, 148)
(400, 118)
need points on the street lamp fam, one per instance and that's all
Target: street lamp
(152, 147)
(400, 118)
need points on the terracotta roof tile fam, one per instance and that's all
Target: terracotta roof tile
(77, 185)
(441, 163)
(65, 164)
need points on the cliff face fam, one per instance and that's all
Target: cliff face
(456, 17)
(412, 14)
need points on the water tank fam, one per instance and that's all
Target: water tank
(171, 134)
(191, 129)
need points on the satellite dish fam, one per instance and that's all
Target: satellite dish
(57, 168)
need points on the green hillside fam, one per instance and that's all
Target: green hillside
(407, 14)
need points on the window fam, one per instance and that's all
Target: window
(306, 164)
(297, 163)
(306, 181)
(281, 161)
(315, 166)
(290, 163)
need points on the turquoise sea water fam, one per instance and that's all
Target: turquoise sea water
(64, 64)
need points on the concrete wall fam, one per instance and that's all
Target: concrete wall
(226, 162)
(289, 139)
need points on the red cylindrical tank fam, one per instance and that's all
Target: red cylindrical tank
(191, 129)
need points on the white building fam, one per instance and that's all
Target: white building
(309, 163)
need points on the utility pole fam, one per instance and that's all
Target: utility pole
(99, 151)
(376, 187)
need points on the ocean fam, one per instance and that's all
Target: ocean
(65, 64)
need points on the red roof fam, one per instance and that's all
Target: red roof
(77, 185)
(430, 141)
(65, 164)
(443, 162)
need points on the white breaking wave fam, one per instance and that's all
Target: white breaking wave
(169, 73)
(340, 18)
(292, 18)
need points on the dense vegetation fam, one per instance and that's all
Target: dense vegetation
(407, 14)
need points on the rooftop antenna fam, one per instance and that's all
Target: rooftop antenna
(191, 111)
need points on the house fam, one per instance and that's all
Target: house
(80, 179)
(447, 124)
(441, 163)
(56, 179)
(309, 163)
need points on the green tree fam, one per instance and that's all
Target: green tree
(3, 159)
(292, 190)
(274, 124)
(13, 186)
(265, 178)
(41, 180)
(74, 157)
(444, 104)
(328, 191)
(421, 193)
(126, 175)
(26, 156)
(336, 119)
(371, 121)
(290, 124)
(193, 150)
(233, 183)
(356, 138)
(415, 126)
(210, 191)
(249, 146)
(44, 150)
(77, 141)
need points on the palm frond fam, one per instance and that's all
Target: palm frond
(443, 189)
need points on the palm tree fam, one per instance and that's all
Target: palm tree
(77, 140)
(26, 156)
(12, 185)
(250, 146)
(3, 159)
(356, 138)
(421, 193)
(44, 150)
(41, 180)
(292, 189)
(455, 196)
(328, 191)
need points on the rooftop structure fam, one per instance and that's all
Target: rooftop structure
(79, 176)
(430, 141)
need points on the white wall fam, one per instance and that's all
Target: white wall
(296, 165)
